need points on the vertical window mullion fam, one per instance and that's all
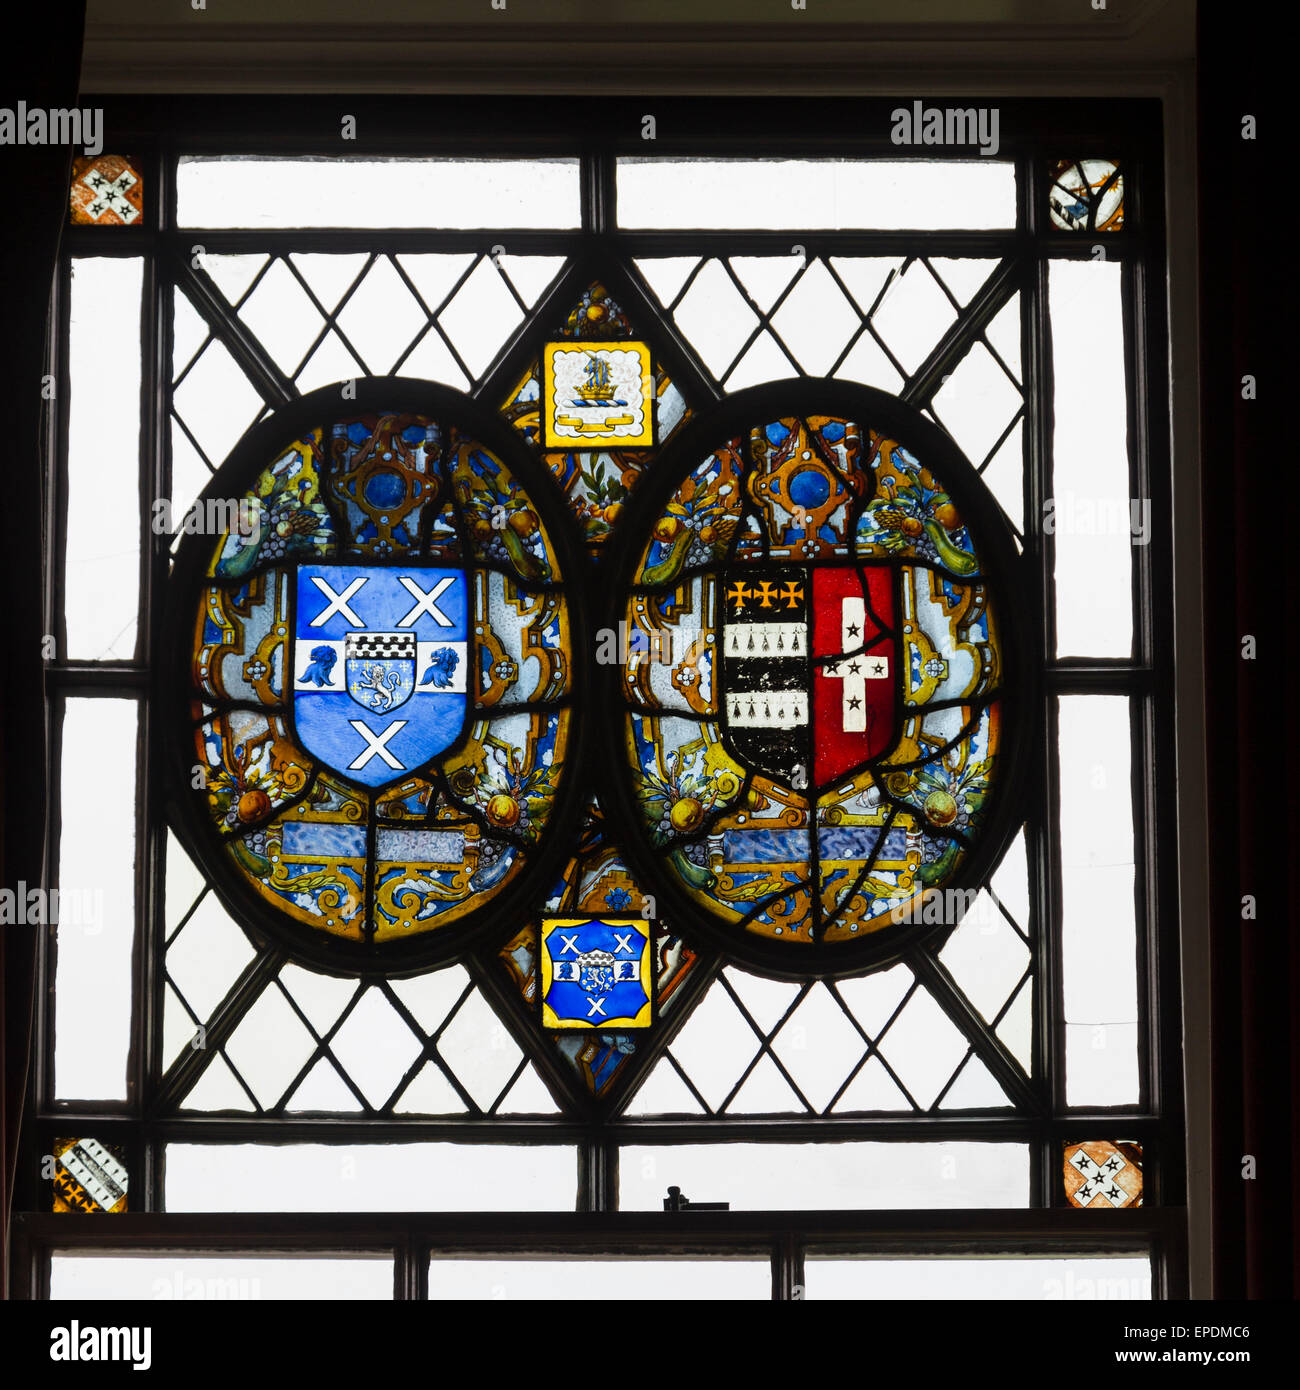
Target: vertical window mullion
(1143, 718)
(597, 192)
(1133, 300)
(1041, 858)
(411, 1270)
(151, 829)
(41, 1082)
(598, 1174)
(1147, 761)
(787, 1268)
(45, 1005)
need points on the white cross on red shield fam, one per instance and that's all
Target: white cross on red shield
(809, 676)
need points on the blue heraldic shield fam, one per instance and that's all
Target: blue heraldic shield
(379, 660)
(597, 973)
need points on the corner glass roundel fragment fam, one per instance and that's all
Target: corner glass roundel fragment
(376, 656)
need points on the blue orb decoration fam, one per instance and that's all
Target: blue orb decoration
(809, 487)
(385, 489)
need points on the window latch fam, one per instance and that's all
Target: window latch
(676, 1202)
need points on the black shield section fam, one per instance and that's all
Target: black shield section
(766, 670)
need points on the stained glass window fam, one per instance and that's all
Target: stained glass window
(382, 671)
(815, 702)
(602, 686)
(107, 191)
(1102, 1174)
(1087, 195)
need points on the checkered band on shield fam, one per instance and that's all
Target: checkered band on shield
(380, 646)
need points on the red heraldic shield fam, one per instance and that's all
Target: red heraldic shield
(855, 682)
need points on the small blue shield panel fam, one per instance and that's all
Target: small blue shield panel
(596, 973)
(379, 661)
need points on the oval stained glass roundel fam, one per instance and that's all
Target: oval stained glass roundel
(380, 664)
(816, 689)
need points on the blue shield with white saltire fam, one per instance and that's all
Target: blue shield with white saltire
(596, 973)
(379, 661)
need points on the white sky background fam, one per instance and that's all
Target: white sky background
(802, 1177)
(444, 193)
(169, 1278)
(93, 981)
(1094, 555)
(103, 521)
(884, 195)
(371, 1177)
(1098, 923)
(1010, 1279)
